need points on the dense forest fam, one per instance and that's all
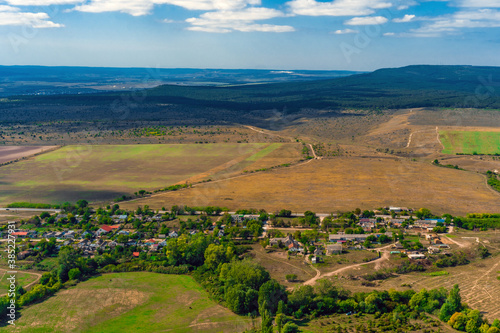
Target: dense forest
(407, 87)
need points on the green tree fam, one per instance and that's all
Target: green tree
(271, 293)
(267, 320)
(67, 260)
(453, 304)
(280, 320)
(74, 274)
(458, 321)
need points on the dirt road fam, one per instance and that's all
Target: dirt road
(385, 256)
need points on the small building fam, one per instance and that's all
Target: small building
(135, 254)
(22, 255)
(334, 249)
(416, 256)
(20, 234)
(103, 230)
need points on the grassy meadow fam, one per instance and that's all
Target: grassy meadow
(104, 172)
(131, 302)
(470, 142)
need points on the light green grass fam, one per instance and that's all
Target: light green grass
(469, 142)
(438, 273)
(264, 152)
(22, 279)
(131, 302)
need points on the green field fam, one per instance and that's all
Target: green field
(104, 172)
(470, 142)
(22, 279)
(131, 302)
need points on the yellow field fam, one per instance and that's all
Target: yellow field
(343, 184)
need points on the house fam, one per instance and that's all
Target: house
(193, 232)
(416, 256)
(173, 234)
(123, 232)
(240, 218)
(154, 247)
(70, 234)
(398, 246)
(22, 255)
(104, 230)
(433, 249)
(334, 249)
(348, 237)
(295, 247)
(20, 234)
(286, 241)
(135, 254)
(162, 236)
(85, 233)
(315, 260)
(221, 233)
(318, 251)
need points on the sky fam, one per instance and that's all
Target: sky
(262, 34)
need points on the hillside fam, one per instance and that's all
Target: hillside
(138, 302)
(407, 87)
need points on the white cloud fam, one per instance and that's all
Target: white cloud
(404, 19)
(242, 20)
(454, 23)
(144, 7)
(368, 20)
(345, 31)
(479, 3)
(389, 34)
(34, 20)
(336, 7)
(42, 2)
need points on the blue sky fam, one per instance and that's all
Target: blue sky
(273, 34)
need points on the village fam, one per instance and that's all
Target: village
(147, 232)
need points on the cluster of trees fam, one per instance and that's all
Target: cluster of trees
(463, 318)
(493, 180)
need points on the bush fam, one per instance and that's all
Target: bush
(290, 328)
(74, 274)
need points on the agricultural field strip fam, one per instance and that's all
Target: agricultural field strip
(484, 141)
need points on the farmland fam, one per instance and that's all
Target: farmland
(125, 302)
(105, 172)
(470, 142)
(12, 153)
(342, 183)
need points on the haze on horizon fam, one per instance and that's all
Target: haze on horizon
(261, 34)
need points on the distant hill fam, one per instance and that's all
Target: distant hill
(42, 80)
(392, 88)
(412, 86)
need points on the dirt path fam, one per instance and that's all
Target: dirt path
(438, 140)
(314, 153)
(385, 256)
(455, 242)
(38, 275)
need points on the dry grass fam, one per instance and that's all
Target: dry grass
(343, 184)
(277, 264)
(12, 153)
